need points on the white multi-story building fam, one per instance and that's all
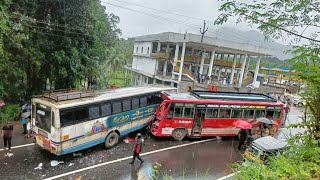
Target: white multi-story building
(169, 58)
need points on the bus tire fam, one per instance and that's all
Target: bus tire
(111, 140)
(179, 134)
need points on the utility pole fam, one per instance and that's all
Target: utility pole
(202, 31)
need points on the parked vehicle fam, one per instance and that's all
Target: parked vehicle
(299, 102)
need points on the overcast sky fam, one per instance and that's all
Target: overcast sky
(137, 20)
(140, 17)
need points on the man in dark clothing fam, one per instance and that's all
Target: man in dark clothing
(7, 135)
(137, 149)
(243, 136)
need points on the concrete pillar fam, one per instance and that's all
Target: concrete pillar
(141, 80)
(211, 62)
(175, 58)
(247, 68)
(154, 80)
(256, 70)
(182, 60)
(202, 62)
(158, 47)
(165, 67)
(233, 69)
(190, 67)
(242, 70)
(228, 57)
(219, 74)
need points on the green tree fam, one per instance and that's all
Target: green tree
(63, 41)
(281, 19)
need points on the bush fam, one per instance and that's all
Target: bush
(9, 112)
(300, 162)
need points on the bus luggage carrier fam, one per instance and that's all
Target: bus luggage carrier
(63, 95)
(232, 96)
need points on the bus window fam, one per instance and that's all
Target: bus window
(236, 113)
(135, 103)
(66, 117)
(188, 112)
(143, 101)
(126, 105)
(248, 113)
(224, 113)
(277, 114)
(154, 99)
(211, 113)
(81, 114)
(105, 109)
(260, 113)
(116, 108)
(43, 117)
(178, 111)
(270, 113)
(94, 112)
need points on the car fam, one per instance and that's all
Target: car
(262, 148)
(299, 102)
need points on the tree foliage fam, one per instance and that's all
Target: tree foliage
(297, 19)
(65, 42)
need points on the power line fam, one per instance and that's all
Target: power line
(172, 20)
(168, 12)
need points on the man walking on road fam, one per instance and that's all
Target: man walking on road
(137, 149)
(7, 135)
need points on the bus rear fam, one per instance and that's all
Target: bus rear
(43, 121)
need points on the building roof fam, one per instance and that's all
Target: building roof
(209, 43)
(279, 69)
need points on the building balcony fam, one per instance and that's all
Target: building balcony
(160, 55)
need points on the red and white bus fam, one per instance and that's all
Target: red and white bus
(204, 113)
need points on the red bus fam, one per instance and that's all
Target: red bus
(205, 113)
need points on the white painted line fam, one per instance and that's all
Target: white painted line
(25, 145)
(228, 176)
(122, 159)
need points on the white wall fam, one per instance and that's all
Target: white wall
(144, 64)
(145, 46)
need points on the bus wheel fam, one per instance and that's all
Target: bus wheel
(111, 140)
(179, 134)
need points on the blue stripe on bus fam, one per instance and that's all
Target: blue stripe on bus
(99, 141)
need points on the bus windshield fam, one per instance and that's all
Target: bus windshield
(43, 117)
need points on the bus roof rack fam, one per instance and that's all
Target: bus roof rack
(232, 96)
(65, 94)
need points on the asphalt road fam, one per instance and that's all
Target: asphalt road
(189, 159)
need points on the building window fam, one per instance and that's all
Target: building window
(137, 49)
(142, 50)
(148, 50)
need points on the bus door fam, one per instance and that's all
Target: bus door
(199, 115)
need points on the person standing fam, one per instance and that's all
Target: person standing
(7, 135)
(137, 149)
(286, 110)
(242, 138)
(24, 122)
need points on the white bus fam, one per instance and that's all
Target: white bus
(66, 122)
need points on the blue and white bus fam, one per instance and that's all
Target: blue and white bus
(66, 122)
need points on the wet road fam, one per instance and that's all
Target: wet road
(206, 160)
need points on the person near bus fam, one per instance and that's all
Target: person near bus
(137, 149)
(242, 138)
(24, 122)
(271, 130)
(286, 110)
(265, 131)
(7, 135)
(28, 128)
